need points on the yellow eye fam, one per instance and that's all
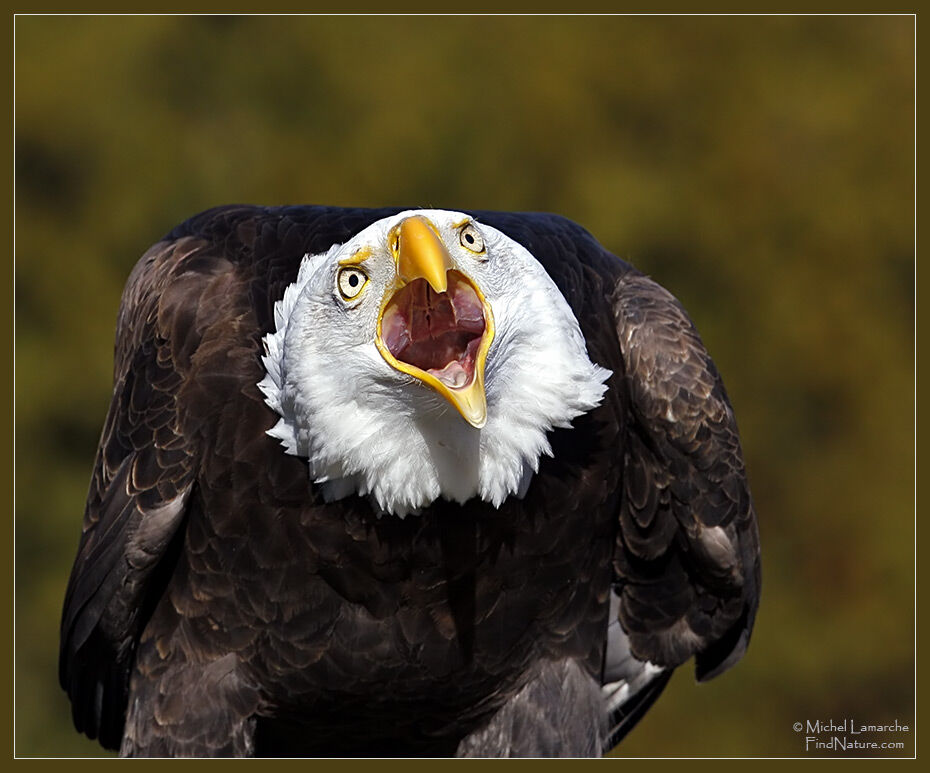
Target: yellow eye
(351, 280)
(470, 239)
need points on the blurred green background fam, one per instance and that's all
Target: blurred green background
(759, 167)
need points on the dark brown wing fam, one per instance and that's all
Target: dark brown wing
(142, 480)
(687, 555)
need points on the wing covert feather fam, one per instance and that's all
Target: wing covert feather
(687, 554)
(142, 479)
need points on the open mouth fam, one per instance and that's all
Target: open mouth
(438, 333)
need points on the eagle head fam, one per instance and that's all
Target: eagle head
(426, 357)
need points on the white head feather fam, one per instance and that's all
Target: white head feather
(367, 428)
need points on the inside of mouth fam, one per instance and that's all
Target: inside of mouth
(436, 332)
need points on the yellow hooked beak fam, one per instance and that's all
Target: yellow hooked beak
(419, 253)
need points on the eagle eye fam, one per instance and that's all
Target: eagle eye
(470, 239)
(351, 280)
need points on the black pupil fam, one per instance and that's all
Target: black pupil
(353, 280)
(469, 238)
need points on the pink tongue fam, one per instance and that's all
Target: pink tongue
(452, 375)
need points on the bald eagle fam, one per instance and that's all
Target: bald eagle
(401, 482)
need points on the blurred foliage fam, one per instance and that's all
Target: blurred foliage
(759, 167)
